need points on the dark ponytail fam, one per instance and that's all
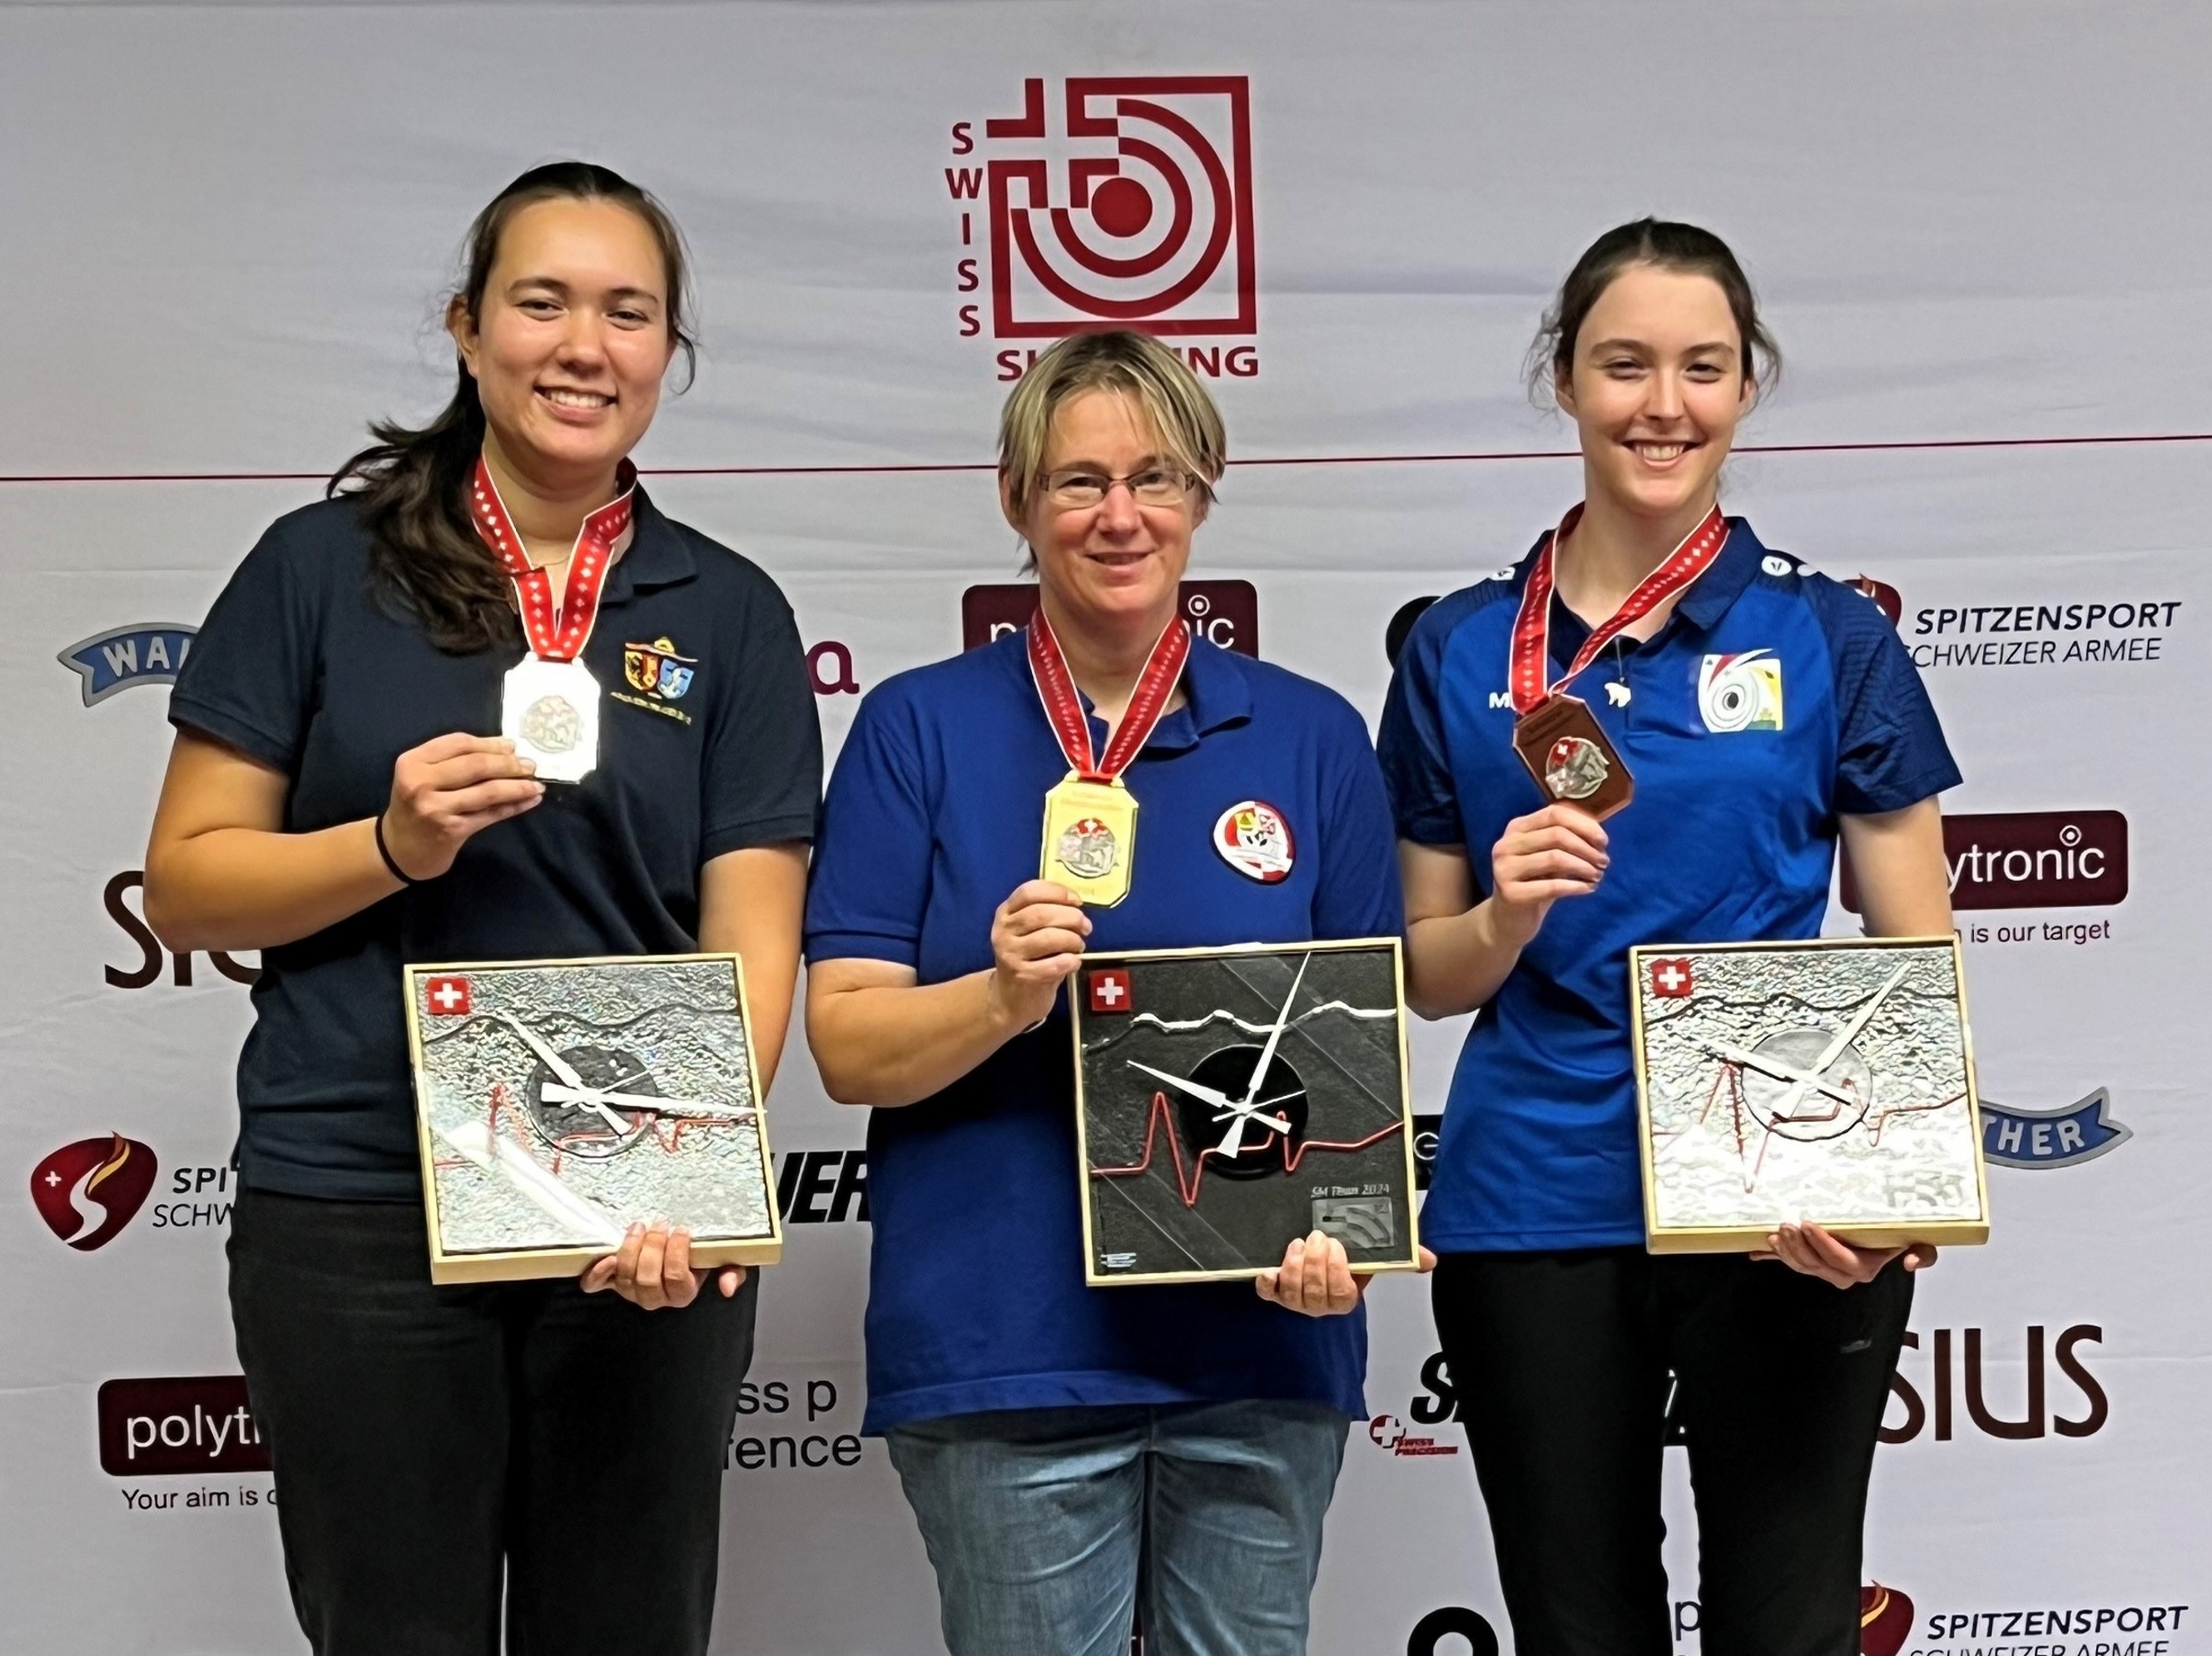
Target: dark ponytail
(1669, 246)
(425, 559)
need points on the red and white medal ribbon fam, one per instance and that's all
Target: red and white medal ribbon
(1532, 627)
(1063, 708)
(555, 634)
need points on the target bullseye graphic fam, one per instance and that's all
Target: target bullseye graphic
(1121, 207)
(1143, 215)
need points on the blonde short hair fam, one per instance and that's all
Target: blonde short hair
(1183, 416)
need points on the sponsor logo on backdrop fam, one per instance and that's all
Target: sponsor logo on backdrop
(153, 960)
(1223, 612)
(1427, 1129)
(829, 669)
(778, 1443)
(169, 1428)
(1388, 1433)
(1944, 1386)
(823, 1187)
(1881, 594)
(149, 653)
(2051, 1138)
(2031, 859)
(88, 1191)
(1449, 1631)
(1887, 1621)
(1110, 202)
(2117, 629)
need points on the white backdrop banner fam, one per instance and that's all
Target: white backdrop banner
(1978, 232)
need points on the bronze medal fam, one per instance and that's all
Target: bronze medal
(1558, 736)
(1574, 763)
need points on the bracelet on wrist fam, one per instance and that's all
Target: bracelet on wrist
(390, 861)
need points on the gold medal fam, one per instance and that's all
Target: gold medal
(1090, 815)
(1090, 838)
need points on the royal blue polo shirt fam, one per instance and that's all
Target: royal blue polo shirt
(1773, 700)
(708, 743)
(976, 1298)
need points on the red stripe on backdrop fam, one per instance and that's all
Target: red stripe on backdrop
(1914, 446)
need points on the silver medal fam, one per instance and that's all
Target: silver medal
(550, 712)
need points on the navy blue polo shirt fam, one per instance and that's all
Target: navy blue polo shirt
(302, 667)
(976, 1298)
(1772, 701)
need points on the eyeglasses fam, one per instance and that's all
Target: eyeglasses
(1075, 491)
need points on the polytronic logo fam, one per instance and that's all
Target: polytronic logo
(2031, 859)
(1121, 201)
(1223, 612)
(114, 1175)
(161, 1428)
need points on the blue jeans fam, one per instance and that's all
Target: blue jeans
(1045, 1525)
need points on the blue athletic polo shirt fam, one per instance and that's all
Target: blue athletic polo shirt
(708, 743)
(976, 1298)
(1772, 699)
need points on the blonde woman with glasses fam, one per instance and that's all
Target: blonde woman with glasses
(1069, 1449)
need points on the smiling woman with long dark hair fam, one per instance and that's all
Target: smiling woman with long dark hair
(338, 799)
(1562, 1332)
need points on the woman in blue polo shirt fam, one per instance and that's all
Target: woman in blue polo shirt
(1061, 1445)
(1764, 711)
(335, 799)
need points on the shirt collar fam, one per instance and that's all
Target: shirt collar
(657, 555)
(1217, 694)
(1707, 600)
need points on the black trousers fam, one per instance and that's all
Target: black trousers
(1561, 1364)
(432, 1443)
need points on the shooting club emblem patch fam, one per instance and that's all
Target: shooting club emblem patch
(1253, 839)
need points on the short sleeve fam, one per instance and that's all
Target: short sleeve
(1890, 751)
(1359, 895)
(1416, 772)
(761, 776)
(251, 677)
(869, 887)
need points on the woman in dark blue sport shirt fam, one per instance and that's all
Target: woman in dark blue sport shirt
(1764, 713)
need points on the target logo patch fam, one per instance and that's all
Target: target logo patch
(1741, 692)
(1114, 201)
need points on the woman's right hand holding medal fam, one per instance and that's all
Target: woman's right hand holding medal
(1558, 851)
(1036, 942)
(447, 790)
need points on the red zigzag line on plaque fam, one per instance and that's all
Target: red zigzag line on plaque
(1189, 1181)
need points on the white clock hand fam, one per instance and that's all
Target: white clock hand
(1196, 1089)
(1234, 1144)
(554, 1093)
(1848, 1033)
(552, 1059)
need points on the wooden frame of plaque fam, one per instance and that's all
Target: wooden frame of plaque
(557, 1101)
(1829, 1080)
(1287, 1060)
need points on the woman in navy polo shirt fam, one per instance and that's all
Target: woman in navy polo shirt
(1061, 1445)
(333, 801)
(1763, 711)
